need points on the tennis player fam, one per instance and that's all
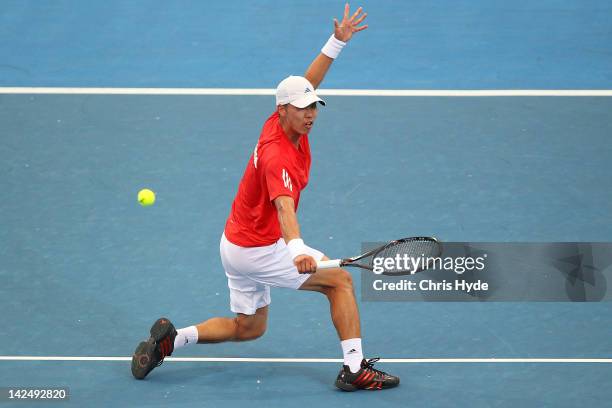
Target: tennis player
(261, 245)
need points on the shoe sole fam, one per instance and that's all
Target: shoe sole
(141, 360)
(346, 387)
(350, 387)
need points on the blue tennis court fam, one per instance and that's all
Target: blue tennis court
(85, 270)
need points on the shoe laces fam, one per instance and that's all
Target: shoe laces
(369, 365)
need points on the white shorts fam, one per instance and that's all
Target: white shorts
(251, 271)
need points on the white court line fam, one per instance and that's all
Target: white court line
(323, 92)
(317, 360)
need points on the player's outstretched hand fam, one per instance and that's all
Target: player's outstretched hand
(344, 30)
(305, 264)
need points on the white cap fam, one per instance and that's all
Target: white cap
(297, 91)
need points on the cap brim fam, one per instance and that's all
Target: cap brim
(307, 100)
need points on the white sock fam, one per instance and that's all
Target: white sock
(185, 336)
(352, 354)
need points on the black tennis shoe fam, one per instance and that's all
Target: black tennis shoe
(151, 353)
(368, 378)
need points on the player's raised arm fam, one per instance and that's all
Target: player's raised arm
(343, 32)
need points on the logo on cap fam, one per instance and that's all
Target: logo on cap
(307, 90)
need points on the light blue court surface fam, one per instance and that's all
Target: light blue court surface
(85, 270)
(434, 44)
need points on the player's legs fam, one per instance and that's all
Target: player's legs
(250, 303)
(243, 327)
(337, 285)
(356, 373)
(249, 299)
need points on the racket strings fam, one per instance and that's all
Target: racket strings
(408, 256)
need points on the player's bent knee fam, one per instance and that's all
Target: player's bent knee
(257, 331)
(248, 331)
(343, 280)
(250, 334)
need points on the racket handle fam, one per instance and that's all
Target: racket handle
(334, 263)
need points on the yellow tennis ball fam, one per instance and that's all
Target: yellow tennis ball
(146, 197)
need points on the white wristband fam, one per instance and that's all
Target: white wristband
(333, 47)
(296, 247)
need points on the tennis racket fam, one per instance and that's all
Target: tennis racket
(409, 255)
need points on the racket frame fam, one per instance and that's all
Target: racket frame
(352, 262)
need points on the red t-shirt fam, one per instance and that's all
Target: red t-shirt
(275, 168)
